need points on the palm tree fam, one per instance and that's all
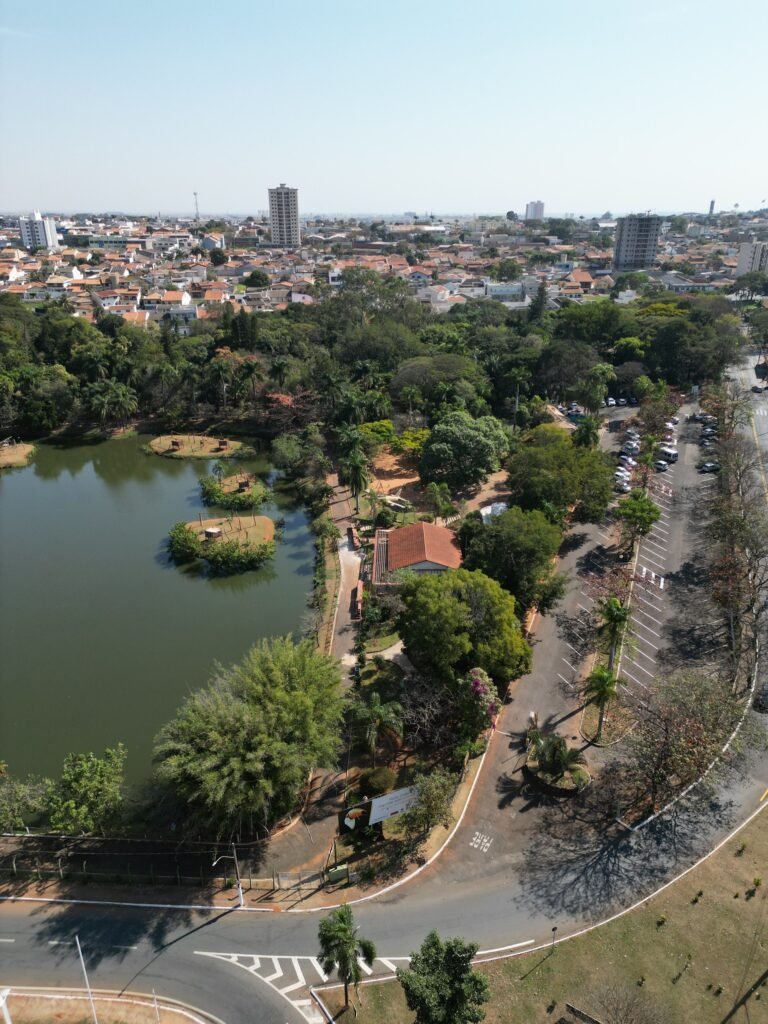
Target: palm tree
(373, 498)
(412, 395)
(278, 371)
(555, 757)
(587, 434)
(614, 617)
(340, 948)
(376, 720)
(601, 687)
(353, 470)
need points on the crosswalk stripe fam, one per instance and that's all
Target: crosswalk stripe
(318, 968)
(364, 966)
(278, 970)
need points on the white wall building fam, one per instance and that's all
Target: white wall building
(534, 210)
(38, 232)
(752, 256)
(284, 216)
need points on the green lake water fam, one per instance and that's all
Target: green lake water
(100, 636)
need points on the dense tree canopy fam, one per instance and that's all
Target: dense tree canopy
(462, 451)
(238, 752)
(455, 620)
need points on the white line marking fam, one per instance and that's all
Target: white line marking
(278, 971)
(7, 940)
(660, 528)
(638, 665)
(661, 583)
(388, 963)
(583, 608)
(501, 949)
(642, 653)
(297, 984)
(313, 960)
(364, 966)
(655, 545)
(566, 681)
(570, 666)
(574, 649)
(653, 561)
(60, 942)
(634, 680)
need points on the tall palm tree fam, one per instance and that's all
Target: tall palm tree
(412, 395)
(376, 720)
(601, 687)
(587, 434)
(353, 470)
(614, 616)
(340, 948)
(278, 371)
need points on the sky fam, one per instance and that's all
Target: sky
(383, 106)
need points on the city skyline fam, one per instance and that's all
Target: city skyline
(493, 122)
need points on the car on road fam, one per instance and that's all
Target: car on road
(661, 466)
(709, 467)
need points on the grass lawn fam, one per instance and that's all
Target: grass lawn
(380, 643)
(699, 956)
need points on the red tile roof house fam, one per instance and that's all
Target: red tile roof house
(420, 548)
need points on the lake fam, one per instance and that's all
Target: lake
(100, 636)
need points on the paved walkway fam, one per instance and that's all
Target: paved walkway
(344, 627)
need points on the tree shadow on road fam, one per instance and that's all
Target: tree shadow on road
(694, 630)
(578, 631)
(584, 864)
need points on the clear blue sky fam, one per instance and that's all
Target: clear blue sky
(383, 105)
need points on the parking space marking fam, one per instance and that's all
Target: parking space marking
(645, 638)
(567, 683)
(638, 665)
(654, 544)
(570, 666)
(634, 680)
(640, 653)
(654, 562)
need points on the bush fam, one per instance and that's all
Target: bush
(212, 493)
(377, 780)
(183, 545)
(230, 556)
(426, 517)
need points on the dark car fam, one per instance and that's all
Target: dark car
(709, 467)
(761, 698)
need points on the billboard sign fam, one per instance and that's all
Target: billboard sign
(371, 812)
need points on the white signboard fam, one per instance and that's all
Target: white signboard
(386, 806)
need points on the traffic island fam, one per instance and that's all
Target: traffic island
(197, 446)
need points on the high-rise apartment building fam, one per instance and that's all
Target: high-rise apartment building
(38, 232)
(752, 256)
(284, 216)
(534, 210)
(637, 238)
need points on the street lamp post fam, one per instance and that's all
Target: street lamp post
(554, 933)
(233, 856)
(87, 983)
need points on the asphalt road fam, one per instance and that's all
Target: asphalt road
(510, 875)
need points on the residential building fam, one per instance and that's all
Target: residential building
(637, 238)
(284, 216)
(752, 256)
(420, 548)
(534, 210)
(38, 232)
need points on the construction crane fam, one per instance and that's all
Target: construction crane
(197, 209)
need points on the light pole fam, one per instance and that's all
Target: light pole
(87, 983)
(554, 933)
(233, 856)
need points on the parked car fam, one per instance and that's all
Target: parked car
(669, 425)
(622, 487)
(674, 419)
(628, 460)
(709, 467)
(758, 389)
(661, 466)
(706, 442)
(708, 431)
(631, 432)
(622, 474)
(622, 401)
(610, 401)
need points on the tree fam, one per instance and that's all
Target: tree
(511, 215)
(637, 514)
(456, 620)
(516, 548)
(538, 304)
(593, 388)
(506, 270)
(377, 720)
(244, 746)
(554, 757)
(614, 616)
(218, 257)
(462, 451)
(353, 471)
(601, 687)
(110, 400)
(440, 986)
(257, 279)
(341, 948)
(587, 433)
(434, 795)
(88, 795)
(22, 800)
(439, 498)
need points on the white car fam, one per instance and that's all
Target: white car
(628, 461)
(610, 401)
(622, 474)
(674, 419)
(622, 487)
(661, 466)
(669, 425)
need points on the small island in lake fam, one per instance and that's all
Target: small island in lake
(240, 492)
(197, 446)
(226, 545)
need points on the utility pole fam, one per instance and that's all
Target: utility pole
(87, 983)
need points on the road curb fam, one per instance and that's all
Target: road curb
(116, 996)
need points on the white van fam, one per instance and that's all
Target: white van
(667, 453)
